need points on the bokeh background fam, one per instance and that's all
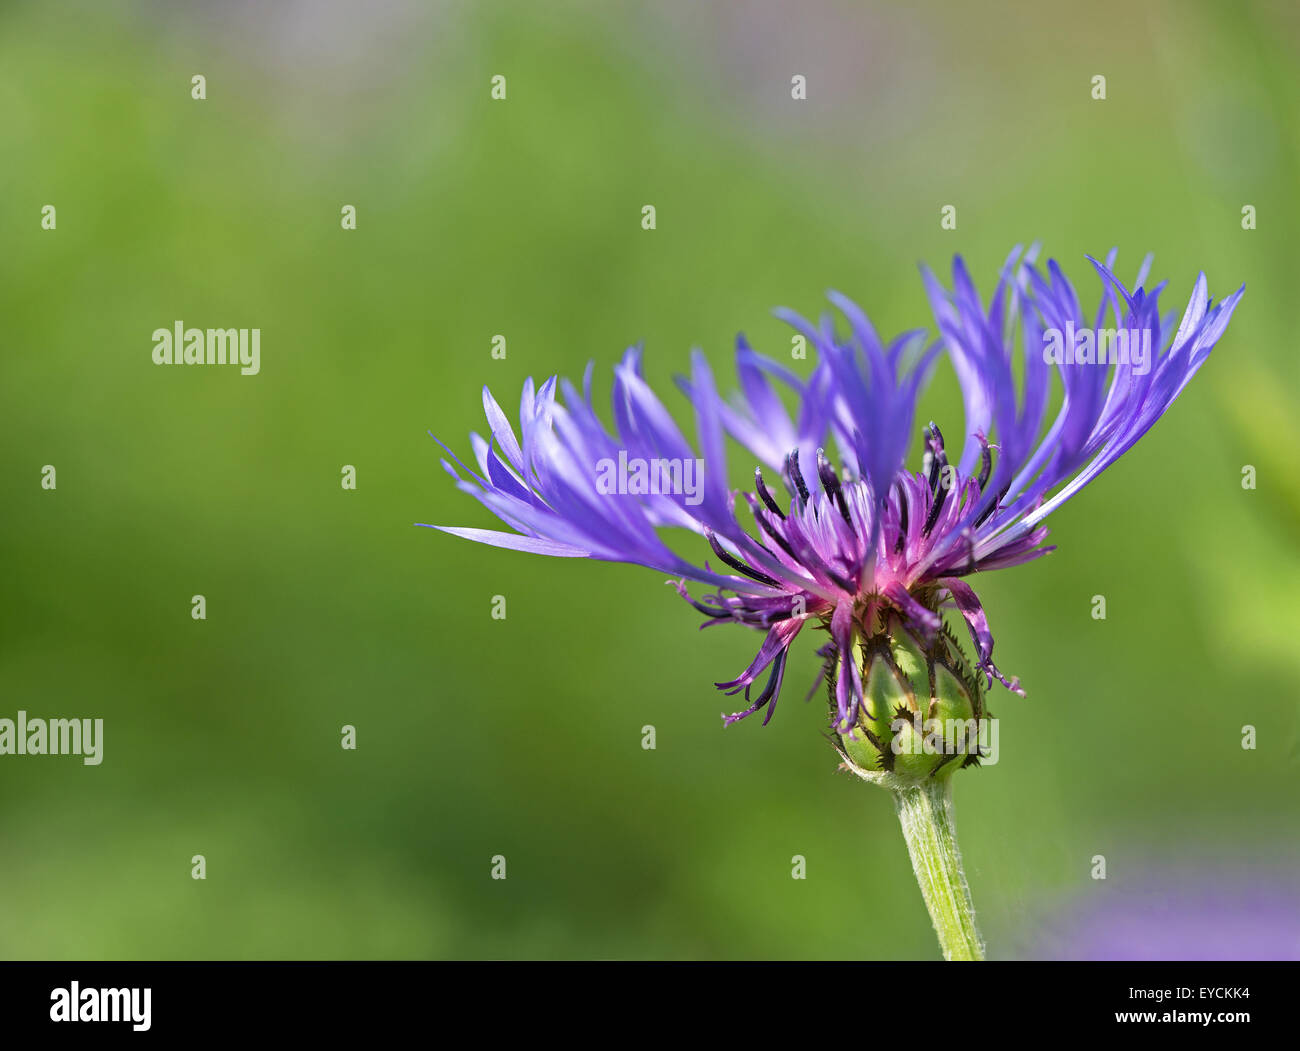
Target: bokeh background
(522, 737)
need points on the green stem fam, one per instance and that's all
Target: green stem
(925, 812)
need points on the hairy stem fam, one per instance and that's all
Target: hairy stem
(925, 812)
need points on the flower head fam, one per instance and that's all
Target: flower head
(850, 539)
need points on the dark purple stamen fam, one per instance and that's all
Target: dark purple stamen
(736, 564)
(770, 689)
(796, 478)
(991, 508)
(902, 517)
(766, 496)
(938, 483)
(709, 611)
(930, 466)
(831, 484)
(986, 463)
(772, 532)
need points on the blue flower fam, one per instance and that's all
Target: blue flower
(853, 540)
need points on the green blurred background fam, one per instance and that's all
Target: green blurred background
(522, 737)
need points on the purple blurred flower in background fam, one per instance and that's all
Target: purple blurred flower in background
(859, 543)
(1192, 912)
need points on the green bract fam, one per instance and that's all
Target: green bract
(922, 710)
